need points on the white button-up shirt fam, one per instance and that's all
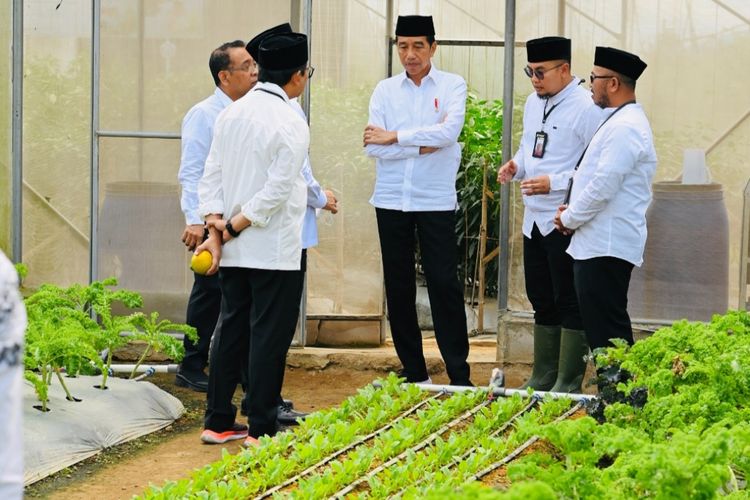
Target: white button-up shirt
(569, 127)
(255, 167)
(612, 190)
(197, 130)
(431, 114)
(12, 329)
(316, 197)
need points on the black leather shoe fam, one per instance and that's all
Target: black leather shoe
(289, 416)
(197, 381)
(287, 403)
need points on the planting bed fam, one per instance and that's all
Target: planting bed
(675, 426)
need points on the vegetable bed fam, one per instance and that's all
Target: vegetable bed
(672, 422)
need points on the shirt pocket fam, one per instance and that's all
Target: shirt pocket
(560, 138)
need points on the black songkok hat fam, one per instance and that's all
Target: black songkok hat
(415, 26)
(283, 51)
(548, 48)
(254, 44)
(620, 61)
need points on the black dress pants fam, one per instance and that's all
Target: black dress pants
(549, 280)
(602, 286)
(439, 254)
(259, 313)
(203, 310)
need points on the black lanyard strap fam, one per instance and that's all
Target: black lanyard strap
(545, 113)
(570, 181)
(272, 93)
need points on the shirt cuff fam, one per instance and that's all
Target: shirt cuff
(404, 137)
(215, 207)
(255, 219)
(192, 218)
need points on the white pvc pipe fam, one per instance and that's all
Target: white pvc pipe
(123, 368)
(502, 391)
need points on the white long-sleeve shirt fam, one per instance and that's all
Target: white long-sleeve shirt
(431, 114)
(316, 197)
(12, 329)
(197, 130)
(255, 167)
(612, 190)
(569, 127)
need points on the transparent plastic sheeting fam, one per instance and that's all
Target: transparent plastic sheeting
(73, 431)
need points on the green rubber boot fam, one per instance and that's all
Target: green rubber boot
(546, 356)
(573, 349)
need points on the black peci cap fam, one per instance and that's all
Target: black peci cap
(254, 44)
(620, 61)
(548, 48)
(415, 26)
(283, 51)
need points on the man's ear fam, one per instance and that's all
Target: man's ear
(223, 78)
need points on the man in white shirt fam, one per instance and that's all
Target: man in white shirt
(234, 72)
(558, 121)
(415, 120)
(253, 196)
(317, 199)
(610, 194)
(12, 328)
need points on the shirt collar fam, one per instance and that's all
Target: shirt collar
(566, 91)
(223, 98)
(433, 74)
(273, 88)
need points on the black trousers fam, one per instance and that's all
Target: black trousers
(602, 286)
(549, 280)
(259, 314)
(203, 309)
(439, 253)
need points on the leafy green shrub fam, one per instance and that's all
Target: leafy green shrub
(481, 141)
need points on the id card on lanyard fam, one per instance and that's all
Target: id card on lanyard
(540, 139)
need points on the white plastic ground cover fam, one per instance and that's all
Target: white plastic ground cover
(73, 431)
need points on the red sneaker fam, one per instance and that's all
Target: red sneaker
(238, 431)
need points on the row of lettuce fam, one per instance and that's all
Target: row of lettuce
(688, 436)
(75, 330)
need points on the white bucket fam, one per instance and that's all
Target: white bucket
(694, 170)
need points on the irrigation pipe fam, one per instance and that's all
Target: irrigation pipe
(145, 374)
(340, 452)
(497, 432)
(504, 392)
(121, 368)
(533, 439)
(426, 442)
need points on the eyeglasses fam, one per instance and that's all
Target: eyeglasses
(244, 68)
(593, 77)
(310, 71)
(539, 73)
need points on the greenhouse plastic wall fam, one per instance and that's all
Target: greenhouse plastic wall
(153, 68)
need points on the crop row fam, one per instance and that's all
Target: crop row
(673, 423)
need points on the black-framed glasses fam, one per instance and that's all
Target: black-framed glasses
(538, 72)
(593, 77)
(310, 72)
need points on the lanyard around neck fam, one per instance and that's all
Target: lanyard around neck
(272, 93)
(570, 181)
(545, 113)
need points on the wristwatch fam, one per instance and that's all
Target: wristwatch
(232, 232)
